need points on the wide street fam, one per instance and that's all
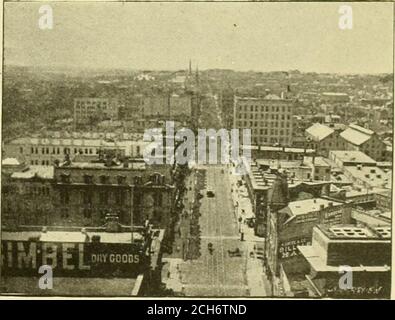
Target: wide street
(216, 274)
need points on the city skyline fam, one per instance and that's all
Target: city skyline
(223, 39)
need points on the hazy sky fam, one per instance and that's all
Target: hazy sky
(240, 36)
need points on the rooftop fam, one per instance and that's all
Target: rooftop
(356, 135)
(374, 177)
(102, 165)
(42, 172)
(352, 232)
(309, 205)
(10, 162)
(72, 236)
(356, 157)
(336, 94)
(319, 131)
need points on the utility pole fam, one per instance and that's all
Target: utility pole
(131, 212)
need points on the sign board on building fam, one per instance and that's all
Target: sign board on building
(289, 248)
(24, 258)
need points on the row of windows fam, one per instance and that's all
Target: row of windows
(272, 140)
(38, 191)
(264, 116)
(257, 108)
(58, 150)
(42, 162)
(65, 150)
(120, 198)
(264, 124)
(103, 179)
(273, 132)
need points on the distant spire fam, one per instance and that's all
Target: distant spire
(197, 74)
(190, 67)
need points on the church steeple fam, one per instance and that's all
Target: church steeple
(190, 67)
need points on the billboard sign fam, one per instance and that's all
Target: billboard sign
(24, 258)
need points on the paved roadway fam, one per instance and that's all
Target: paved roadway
(217, 274)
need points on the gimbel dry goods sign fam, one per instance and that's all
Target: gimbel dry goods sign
(23, 258)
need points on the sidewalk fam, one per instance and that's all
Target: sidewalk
(256, 279)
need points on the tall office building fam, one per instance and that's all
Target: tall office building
(269, 118)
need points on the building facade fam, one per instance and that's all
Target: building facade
(323, 139)
(365, 140)
(90, 110)
(270, 119)
(364, 251)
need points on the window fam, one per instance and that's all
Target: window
(104, 179)
(65, 178)
(103, 196)
(121, 179)
(120, 197)
(64, 197)
(87, 197)
(88, 179)
(158, 199)
(87, 212)
(64, 213)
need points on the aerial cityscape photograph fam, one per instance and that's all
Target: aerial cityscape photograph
(197, 150)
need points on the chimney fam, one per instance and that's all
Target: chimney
(330, 204)
(322, 206)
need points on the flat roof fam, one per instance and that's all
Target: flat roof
(317, 262)
(101, 165)
(301, 207)
(353, 232)
(373, 176)
(352, 156)
(282, 149)
(71, 236)
(43, 172)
